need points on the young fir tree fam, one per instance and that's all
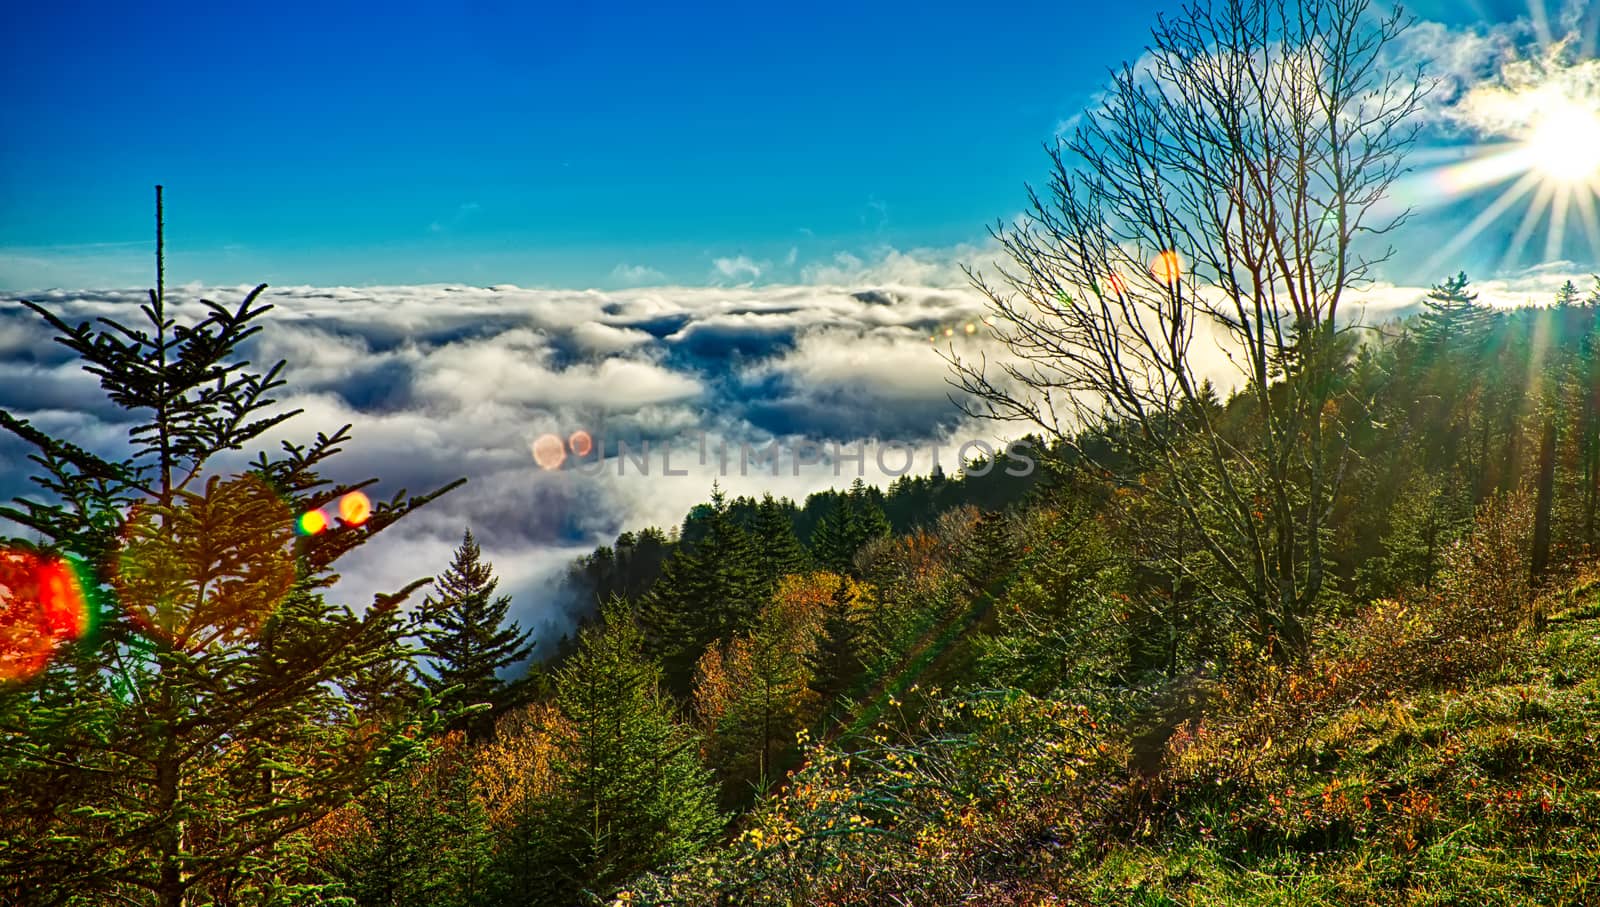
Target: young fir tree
(633, 794)
(708, 591)
(468, 640)
(765, 702)
(989, 556)
(174, 755)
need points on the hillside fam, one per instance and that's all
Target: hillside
(1447, 789)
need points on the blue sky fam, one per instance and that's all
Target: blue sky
(537, 144)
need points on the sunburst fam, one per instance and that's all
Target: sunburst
(1540, 119)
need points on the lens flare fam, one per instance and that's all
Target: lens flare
(65, 610)
(354, 508)
(312, 522)
(949, 332)
(42, 604)
(580, 443)
(549, 452)
(1167, 268)
(971, 328)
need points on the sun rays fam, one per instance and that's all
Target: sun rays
(1535, 171)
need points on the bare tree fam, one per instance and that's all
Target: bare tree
(1218, 204)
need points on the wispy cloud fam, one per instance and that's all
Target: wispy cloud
(741, 267)
(628, 275)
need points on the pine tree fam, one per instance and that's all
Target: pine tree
(707, 591)
(777, 548)
(635, 794)
(867, 505)
(836, 663)
(468, 640)
(1567, 296)
(754, 693)
(1452, 316)
(854, 518)
(989, 555)
(420, 838)
(174, 754)
(830, 540)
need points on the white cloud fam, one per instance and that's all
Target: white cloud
(636, 275)
(737, 268)
(448, 380)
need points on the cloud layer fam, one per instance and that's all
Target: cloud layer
(445, 381)
(448, 381)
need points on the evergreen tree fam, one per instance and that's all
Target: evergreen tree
(855, 518)
(990, 554)
(778, 550)
(174, 755)
(1567, 296)
(468, 640)
(635, 795)
(830, 540)
(708, 591)
(1452, 316)
(387, 688)
(836, 663)
(420, 838)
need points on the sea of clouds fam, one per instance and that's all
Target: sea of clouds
(442, 382)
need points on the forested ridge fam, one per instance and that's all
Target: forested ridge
(1325, 632)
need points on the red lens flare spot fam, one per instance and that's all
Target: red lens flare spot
(65, 609)
(41, 606)
(1116, 284)
(580, 443)
(312, 522)
(355, 508)
(1167, 268)
(549, 452)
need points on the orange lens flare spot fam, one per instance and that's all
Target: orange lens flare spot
(580, 443)
(41, 606)
(971, 328)
(949, 332)
(355, 508)
(312, 522)
(1167, 268)
(549, 452)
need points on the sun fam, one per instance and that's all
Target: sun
(1564, 144)
(1534, 168)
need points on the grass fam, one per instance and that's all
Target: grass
(1484, 795)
